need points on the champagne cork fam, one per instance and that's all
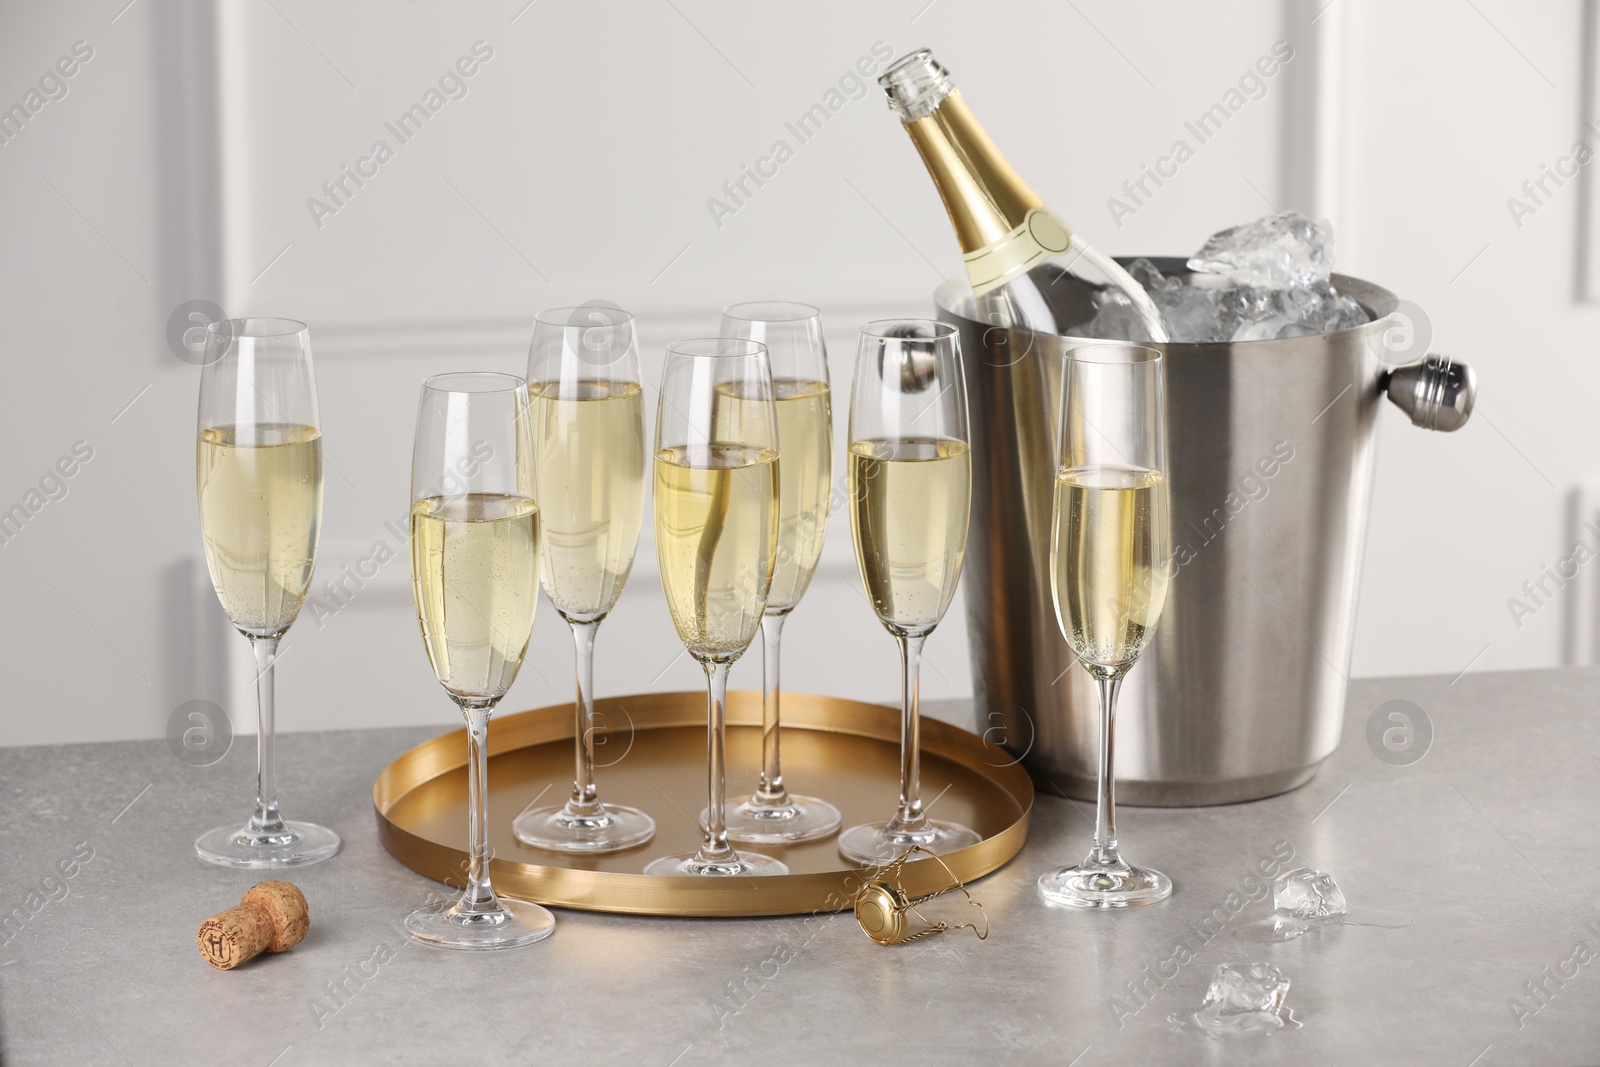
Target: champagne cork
(271, 917)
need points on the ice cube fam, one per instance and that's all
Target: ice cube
(1345, 314)
(1248, 987)
(1149, 275)
(1222, 310)
(1264, 329)
(1216, 1022)
(1305, 304)
(1297, 311)
(1194, 315)
(1249, 314)
(1270, 253)
(1308, 893)
(1115, 319)
(1319, 308)
(1245, 999)
(1199, 316)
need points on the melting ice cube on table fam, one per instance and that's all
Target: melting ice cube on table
(1244, 999)
(1307, 893)
(1248, 987)
(1306, 899)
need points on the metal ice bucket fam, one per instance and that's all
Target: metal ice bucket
(1241, 694)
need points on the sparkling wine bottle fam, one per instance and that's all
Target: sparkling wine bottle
(1026, 268)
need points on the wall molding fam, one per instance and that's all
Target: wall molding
(189, 58)
(1587, 253)
(439, 330)
(1311, 133)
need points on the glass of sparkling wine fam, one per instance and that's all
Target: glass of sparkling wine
(716, 512)
(475, 576)
(910, 497)
(588, 430)
(793, 336)
(259, 469)
(1109, 571)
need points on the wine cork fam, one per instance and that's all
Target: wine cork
(272, 917)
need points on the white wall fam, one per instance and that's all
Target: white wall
(579, 165)
(1453, 110)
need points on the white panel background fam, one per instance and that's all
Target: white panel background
(180, 162)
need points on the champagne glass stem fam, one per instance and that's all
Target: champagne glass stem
(479, 895)
(266, 819)
(715, 847)
(584, 802)
(770, 791)
(910, 816)
(1105, 814)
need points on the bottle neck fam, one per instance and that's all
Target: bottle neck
(1002, 225)
(1004, 228)
(983, 195)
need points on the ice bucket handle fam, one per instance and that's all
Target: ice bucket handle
(1436, 393)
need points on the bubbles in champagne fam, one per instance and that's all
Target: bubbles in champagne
(1108, 562)
(589, 447)
(910, 505)
(805, 468)
(474, 571)
(260, 514)
(716, 514)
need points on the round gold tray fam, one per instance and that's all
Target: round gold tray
(654, 758)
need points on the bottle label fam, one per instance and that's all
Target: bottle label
(1040, 236)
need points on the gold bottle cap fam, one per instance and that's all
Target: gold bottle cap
(883, 909)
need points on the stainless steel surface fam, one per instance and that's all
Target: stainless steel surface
(106, 972)
(1437, 393)
(1271, 447)
(916, 362)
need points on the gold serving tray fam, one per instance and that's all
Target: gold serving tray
(654, 758)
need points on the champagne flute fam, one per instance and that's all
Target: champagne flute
(910, 497)
(793, 336)
(588, 429)
(1109, 571)
(259, 469)
(716, 512)
(475, 576)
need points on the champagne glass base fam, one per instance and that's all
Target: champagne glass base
(1090, 886)
(741, 864)
(302, 844)
(513, 923)
(875, 844)
(801, 819)
(614, 829)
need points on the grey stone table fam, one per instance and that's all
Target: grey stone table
(1489, 842)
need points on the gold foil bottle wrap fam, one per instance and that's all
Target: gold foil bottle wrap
(1003, 226)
